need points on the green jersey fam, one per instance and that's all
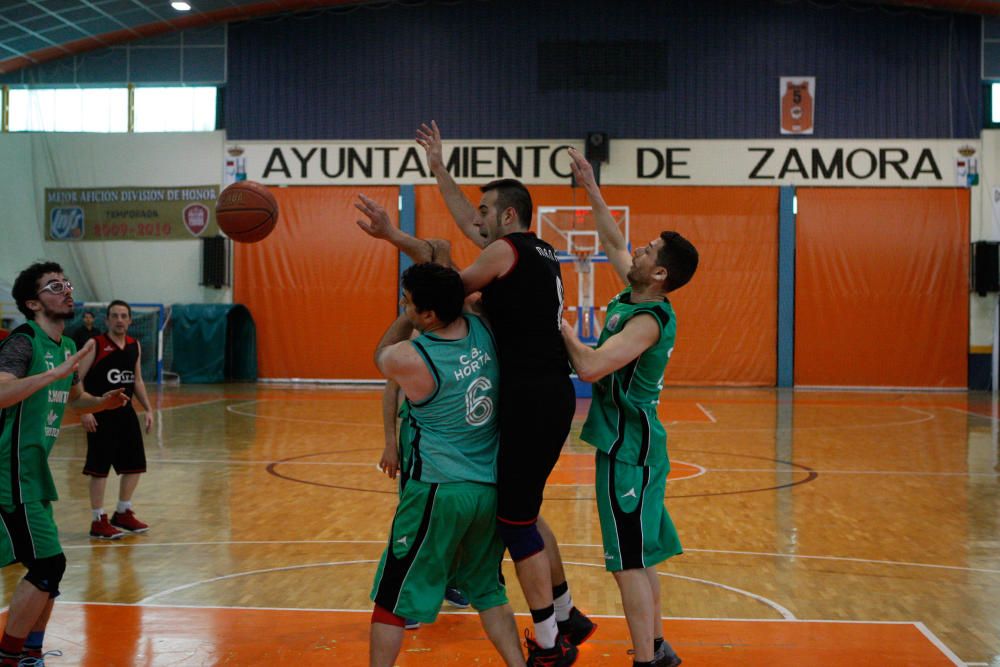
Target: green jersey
(29, 429)
(622, 421)
(454, 432)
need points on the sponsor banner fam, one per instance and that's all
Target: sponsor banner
(130, 214)
(803, 162)
(798, 99)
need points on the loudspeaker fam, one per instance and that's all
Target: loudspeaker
(597, 147)
(985, 267)
(215, 261)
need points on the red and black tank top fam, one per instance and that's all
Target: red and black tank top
(113, 366)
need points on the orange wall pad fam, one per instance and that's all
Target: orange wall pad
(727, 315)
(321, 292)
(881, 294)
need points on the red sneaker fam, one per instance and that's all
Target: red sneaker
(103, 530)
(126, 521)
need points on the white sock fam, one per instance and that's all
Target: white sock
(97, 513)
(124, 506)
(546, 632)
(563, 605)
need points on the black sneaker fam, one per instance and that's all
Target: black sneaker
(577, 628)
(562, 654)
(665, 656)
(455, 598)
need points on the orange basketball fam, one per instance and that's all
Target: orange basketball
(246, 211)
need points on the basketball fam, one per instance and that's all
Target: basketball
(246, 211)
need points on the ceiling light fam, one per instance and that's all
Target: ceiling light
(181, 6)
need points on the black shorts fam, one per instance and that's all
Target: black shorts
(117, 442)
(535, 418)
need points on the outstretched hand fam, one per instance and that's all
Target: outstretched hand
(378, 225)
(66, 368)
(583, 172)
(114, 399)
(430, 138)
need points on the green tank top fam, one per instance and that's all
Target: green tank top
(29, 429)
(454, 432)
(622, 420)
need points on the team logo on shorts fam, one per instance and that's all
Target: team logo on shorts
(196, 218)
(66, 224)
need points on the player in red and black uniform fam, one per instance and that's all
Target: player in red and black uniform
(522, 294)
(113, 436)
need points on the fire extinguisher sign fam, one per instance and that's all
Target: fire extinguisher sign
(798, 99)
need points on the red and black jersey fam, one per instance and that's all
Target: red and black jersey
(525, 307)
(113, 367)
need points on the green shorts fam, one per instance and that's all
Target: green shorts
(441, 533)
(635, 525)
(29, 533)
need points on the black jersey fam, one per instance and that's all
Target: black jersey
(525, 307)
(113, 367)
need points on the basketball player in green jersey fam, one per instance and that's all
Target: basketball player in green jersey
(627, 371)
(37, 379)
(445, 522)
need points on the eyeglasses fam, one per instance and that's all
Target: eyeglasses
(58, 287)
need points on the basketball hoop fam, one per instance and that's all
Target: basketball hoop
(583, 259)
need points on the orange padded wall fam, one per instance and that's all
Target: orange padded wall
(727, 315)
(882, 295)
(321, 292)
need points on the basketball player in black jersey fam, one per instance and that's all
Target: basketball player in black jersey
(522, 296)
(113, 436)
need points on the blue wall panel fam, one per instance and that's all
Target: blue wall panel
(376, 73)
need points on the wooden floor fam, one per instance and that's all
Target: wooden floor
(819, 528)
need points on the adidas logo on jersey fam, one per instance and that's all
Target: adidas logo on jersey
(630, 493)
(108, 348)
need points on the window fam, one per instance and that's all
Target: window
(177, 109)
(69, 110)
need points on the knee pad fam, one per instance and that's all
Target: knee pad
(46, 573)
(521, 541)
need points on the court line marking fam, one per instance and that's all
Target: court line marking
(707, 413)
(233, 410)
(838, 427)
(729, 552)
(172, 407)
(785, 613)
(849, 427)
(932, 638)
(701, 469)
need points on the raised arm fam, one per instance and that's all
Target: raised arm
(640, 333)
(461, 208)
(379, 227)
(615, 245)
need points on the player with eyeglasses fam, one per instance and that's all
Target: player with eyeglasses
(37, 380)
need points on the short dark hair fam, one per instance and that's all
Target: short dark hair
(679, 257)
(511, 193)
(437, 288)
(118, 302)
(26, 285)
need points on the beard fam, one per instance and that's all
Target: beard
(59, 315)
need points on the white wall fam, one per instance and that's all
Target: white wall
(148, 271)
